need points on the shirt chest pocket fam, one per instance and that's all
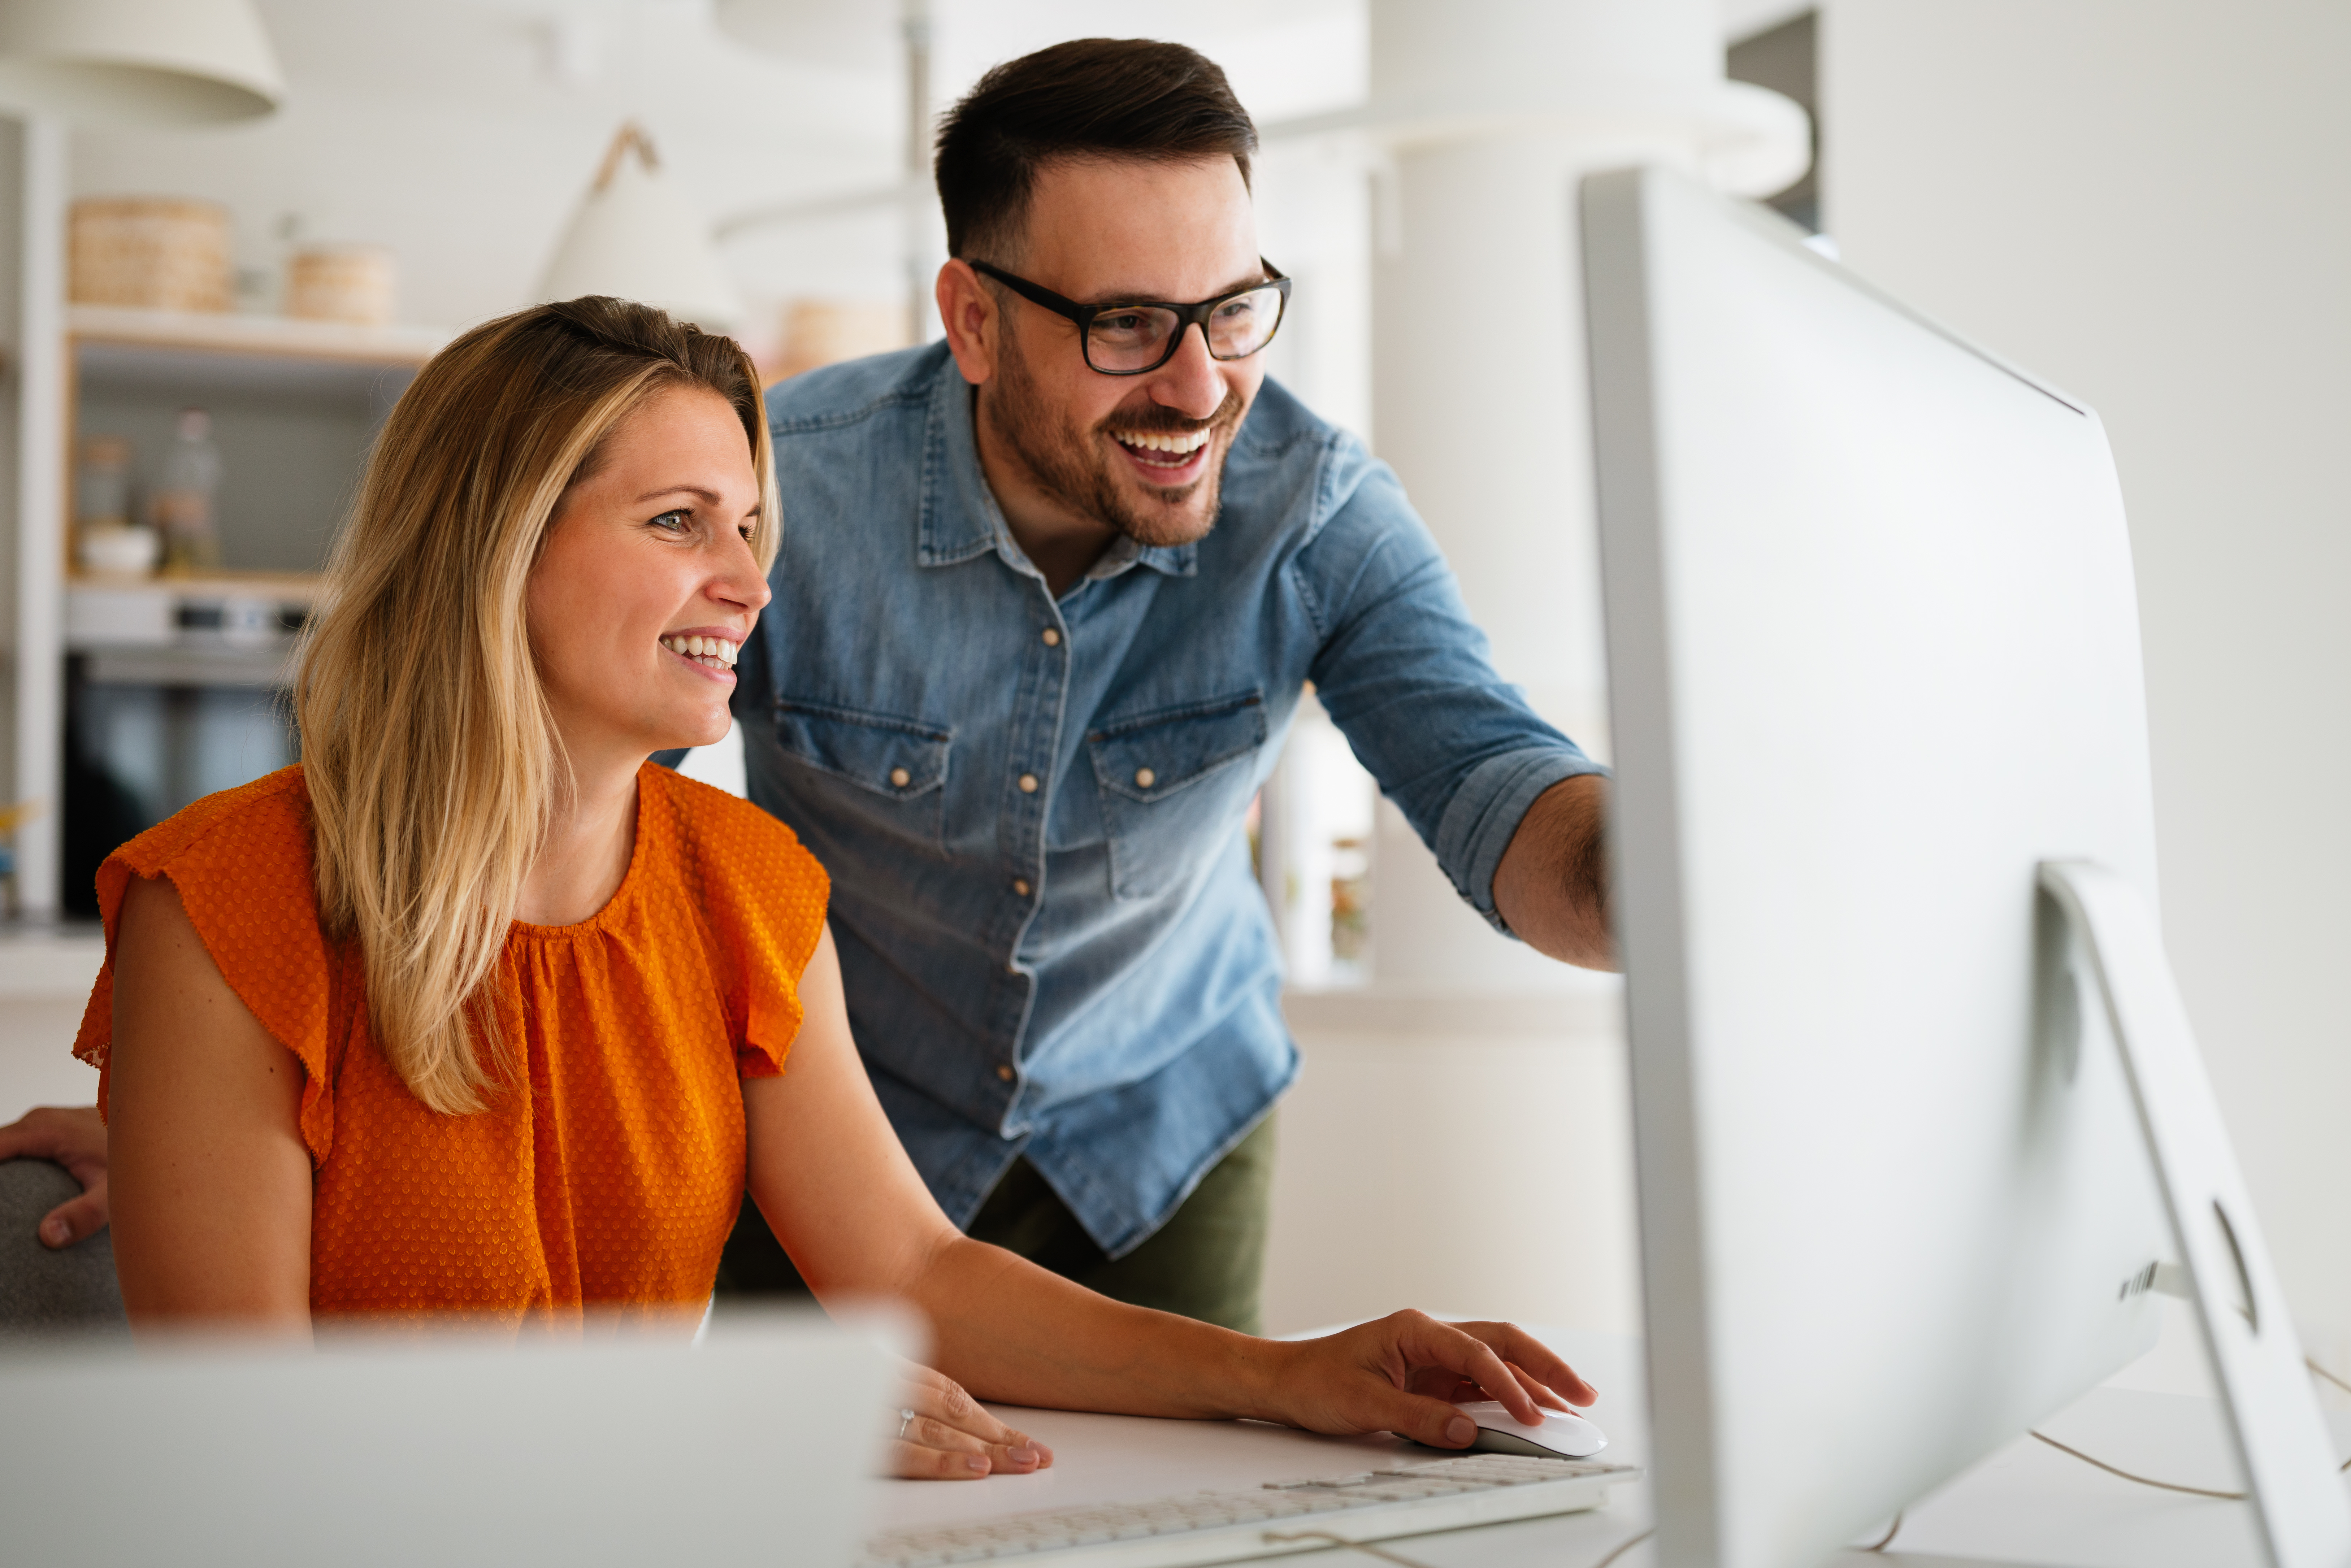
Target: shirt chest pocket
(882, 773)
(1174, 782)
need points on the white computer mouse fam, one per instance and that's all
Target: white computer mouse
(1560, 1436)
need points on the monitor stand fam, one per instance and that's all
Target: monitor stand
(2273, 1410)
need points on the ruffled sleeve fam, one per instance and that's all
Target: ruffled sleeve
(241, 862)
(762, 899)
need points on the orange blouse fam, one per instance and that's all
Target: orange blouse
(607, 1172)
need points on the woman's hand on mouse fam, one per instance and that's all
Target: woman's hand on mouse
(941, 1433)
(1403, 1374)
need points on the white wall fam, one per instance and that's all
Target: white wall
(2150, 203)
(1466, 1154)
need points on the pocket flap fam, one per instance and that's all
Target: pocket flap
(892, 757)
(1152, 756)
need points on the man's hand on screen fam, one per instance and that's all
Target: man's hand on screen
(75, 1138)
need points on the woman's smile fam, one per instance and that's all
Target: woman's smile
(708, 651)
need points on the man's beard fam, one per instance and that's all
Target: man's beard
(1076, 471)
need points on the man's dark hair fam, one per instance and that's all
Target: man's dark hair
(1090, 97)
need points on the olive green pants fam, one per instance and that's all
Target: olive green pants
(1207, 1262)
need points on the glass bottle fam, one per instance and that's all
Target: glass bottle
(182, 499)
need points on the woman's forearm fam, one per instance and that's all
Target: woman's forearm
(1012, 1332)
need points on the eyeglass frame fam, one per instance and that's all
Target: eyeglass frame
(1187, 316)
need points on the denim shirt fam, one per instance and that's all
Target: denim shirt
(1032, 808)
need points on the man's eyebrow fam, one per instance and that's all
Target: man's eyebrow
(1144, 295)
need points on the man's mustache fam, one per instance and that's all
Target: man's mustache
(1157, 419)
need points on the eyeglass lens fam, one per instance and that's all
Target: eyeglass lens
(1135, 337)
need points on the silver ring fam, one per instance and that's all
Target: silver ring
(905, 1419)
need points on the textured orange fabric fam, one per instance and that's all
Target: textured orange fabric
(606, 1173)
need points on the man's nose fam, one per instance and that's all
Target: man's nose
(1190, 383)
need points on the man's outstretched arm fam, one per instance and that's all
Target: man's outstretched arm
(75, 1138)
(1552, 886)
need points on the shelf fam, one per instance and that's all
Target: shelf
(200, 356)
(228, 333)
(278, 586)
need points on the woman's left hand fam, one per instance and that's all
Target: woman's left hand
(944, 1434)
(1405, 1373)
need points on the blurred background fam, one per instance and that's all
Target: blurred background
(214, 284)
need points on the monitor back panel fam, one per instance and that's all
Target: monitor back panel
(755, 1447)
(1873, 652)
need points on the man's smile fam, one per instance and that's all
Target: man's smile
(1166, 457)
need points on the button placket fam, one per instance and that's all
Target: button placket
(1044, 683)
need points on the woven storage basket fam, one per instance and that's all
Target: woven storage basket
(150, 251)
(342, 283)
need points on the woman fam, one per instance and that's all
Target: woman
(475, 1015)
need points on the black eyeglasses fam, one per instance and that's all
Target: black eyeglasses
(1136, 338)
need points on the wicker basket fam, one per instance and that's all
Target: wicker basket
(342, 283)
(150, 251)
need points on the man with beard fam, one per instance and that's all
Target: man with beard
(1048, 595)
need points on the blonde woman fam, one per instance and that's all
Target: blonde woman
(477, 1016)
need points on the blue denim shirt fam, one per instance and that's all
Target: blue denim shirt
(1032, 808)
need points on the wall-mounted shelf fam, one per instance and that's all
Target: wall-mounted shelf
(173, 688)
(277, 337)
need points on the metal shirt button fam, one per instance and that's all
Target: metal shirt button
(1027, 783)
(1004, 1072)
(901, 778)
(1053, 637)
(1145, 778)
(1020, 886)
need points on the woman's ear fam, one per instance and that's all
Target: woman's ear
(972, 318)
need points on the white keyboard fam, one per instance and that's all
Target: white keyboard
(1227, 1526)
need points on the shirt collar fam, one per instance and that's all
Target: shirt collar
(960, 518)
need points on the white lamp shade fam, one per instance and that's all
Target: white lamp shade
(138, 62)
(634, 237)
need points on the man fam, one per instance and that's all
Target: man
(1048, 595)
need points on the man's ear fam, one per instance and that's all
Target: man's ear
(970, 314)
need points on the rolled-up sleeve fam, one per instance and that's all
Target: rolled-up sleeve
(1409, 679)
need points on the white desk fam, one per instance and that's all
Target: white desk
(2026, 1504)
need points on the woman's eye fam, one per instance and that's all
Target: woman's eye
(676, 522)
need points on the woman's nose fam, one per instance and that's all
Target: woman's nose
(744, 583)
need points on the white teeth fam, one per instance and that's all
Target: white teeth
(1190, 441)
(719, 650)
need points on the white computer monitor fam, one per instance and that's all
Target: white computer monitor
(1873, 654)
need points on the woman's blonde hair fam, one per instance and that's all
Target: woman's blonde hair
(431, 761)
